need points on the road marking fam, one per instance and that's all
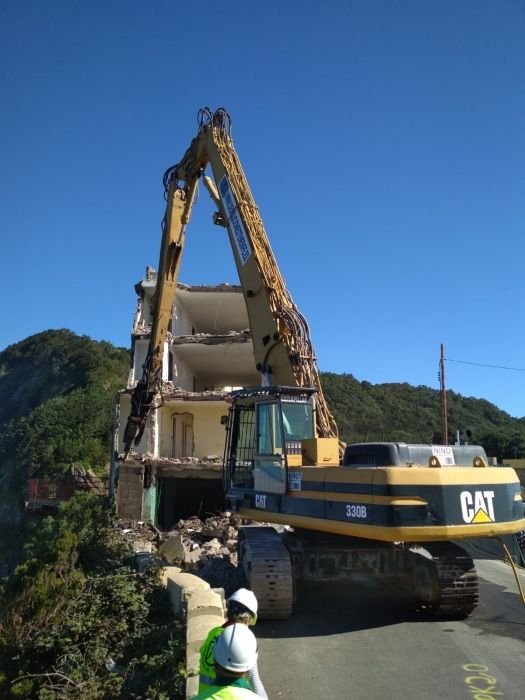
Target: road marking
(481, 684)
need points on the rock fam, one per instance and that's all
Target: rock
(172, 550)
(230, 533)
(141, 560)
(140, 545)
(191, 558)
(211, 532)
(212, 545)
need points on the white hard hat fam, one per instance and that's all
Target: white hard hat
(246, 598)
(236, 648)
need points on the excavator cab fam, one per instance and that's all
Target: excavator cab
(267, 429)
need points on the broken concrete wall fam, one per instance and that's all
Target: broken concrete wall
(183, 375)
(206, 349)
(140, 351)
(130, 491)
(181, 323)
(149, 503)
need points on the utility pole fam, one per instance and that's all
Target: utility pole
(444, 419)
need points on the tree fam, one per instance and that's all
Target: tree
(77, 621)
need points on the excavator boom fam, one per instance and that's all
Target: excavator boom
(281, 337)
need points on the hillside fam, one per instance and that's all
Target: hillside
(401, 412)
(58, 392)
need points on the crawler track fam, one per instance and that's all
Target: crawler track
(457, 579)
(267, 565)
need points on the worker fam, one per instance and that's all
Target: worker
(234, 654)
(241, 607)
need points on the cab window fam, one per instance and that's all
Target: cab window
(269, 430)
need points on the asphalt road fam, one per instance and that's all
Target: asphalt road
(360, 641)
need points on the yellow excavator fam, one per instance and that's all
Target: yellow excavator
(378, 509)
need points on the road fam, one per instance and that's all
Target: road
(358, 641)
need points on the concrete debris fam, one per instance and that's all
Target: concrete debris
(143, 546)
(220, 572)
(213, 339)
(220, 287)
(170, 391)
(143, 536)
(210, 549)
(172, 550)
(212, 462)
(206, 548)
(141, 330)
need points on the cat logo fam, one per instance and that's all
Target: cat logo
(477, 508)
(260, 500)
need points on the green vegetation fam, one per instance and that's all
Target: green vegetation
(401, 412)
(59, 391)
(78, 622)
(58, 395)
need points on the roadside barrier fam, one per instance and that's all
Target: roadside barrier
(201, 607)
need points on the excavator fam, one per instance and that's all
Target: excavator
(326, 511)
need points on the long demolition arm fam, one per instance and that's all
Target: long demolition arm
(177, 214)
(281, 337)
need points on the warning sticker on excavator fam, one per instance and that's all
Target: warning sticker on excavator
(445, 454)
(294, 481)
(234, 220)
(477, 507)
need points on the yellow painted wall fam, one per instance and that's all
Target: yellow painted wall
(208, 433)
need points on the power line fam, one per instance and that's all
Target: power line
(481, 364)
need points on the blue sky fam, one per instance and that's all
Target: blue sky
(383, 141)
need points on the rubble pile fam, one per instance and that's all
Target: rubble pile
(210, 462)
(142, 536)
(208, 549)
(171, 391)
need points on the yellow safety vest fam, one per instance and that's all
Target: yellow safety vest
(236, 690)
(207, 663)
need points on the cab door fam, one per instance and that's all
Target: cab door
(270, 472)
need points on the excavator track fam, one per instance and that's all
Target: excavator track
(267, 566)
(457, 579)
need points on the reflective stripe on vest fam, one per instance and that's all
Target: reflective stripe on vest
(228, 692)
(205, 680)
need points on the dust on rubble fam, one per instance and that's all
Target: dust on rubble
(206, 548)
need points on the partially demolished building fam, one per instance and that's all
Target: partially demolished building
(176, 468)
